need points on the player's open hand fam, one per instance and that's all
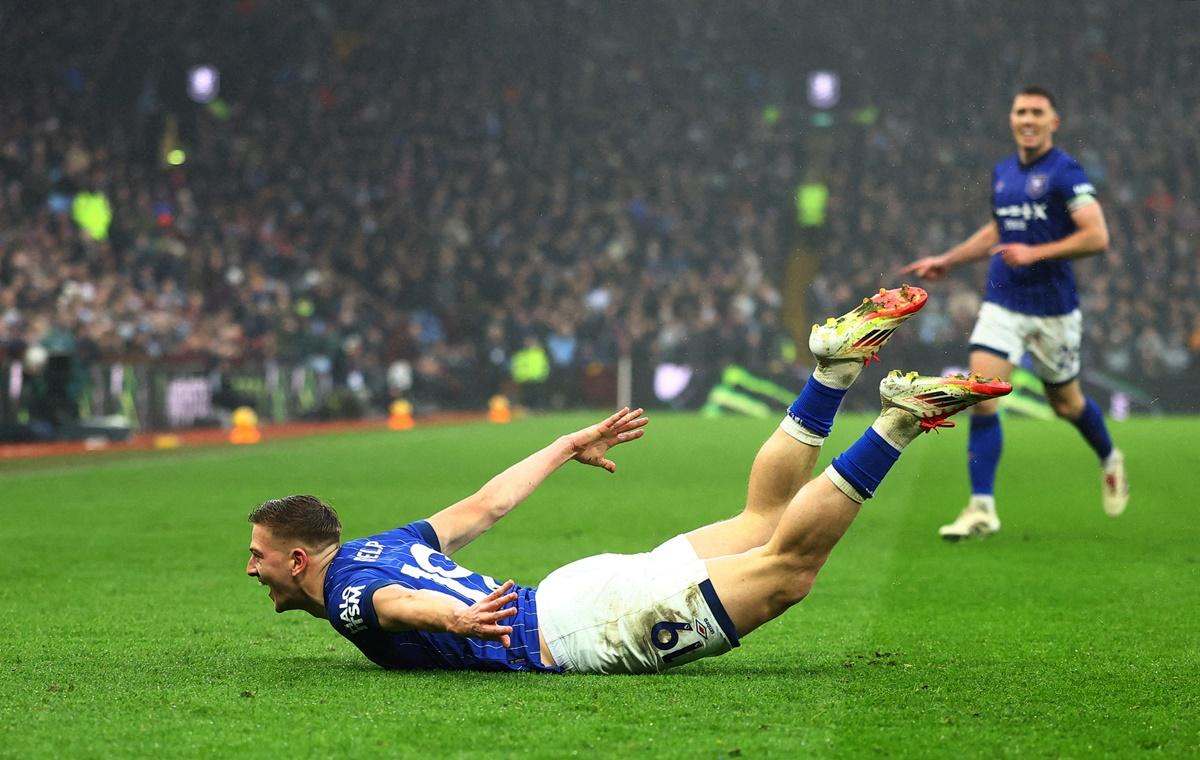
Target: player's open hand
(482, 619)
(928, 268)
(592, 443)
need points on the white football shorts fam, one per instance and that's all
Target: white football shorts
(1052, 342)
(633, 613)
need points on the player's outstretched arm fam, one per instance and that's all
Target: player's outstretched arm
(402, 609)
(461, 523)
(974, 248)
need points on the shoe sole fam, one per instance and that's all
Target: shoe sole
(956, 537)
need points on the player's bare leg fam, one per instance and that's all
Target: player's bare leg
(759, 584)
(842, 347)
(782, 466)
(987, 364)
(1067, 401)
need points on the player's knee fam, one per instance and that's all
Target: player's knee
(986, 408)
(1067, 408)
(792, 589)
(757, 524)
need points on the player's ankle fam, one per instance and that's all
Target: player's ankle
(1113, 457)
(897, 426)
(839, 374)
(984, 501)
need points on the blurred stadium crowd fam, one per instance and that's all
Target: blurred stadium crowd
(437, 199)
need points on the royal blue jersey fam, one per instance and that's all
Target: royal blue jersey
(1032, 204)
(409, 557)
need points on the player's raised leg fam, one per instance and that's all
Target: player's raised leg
(1070, 404)
(985, 442)
(842, 347)
(759, 584)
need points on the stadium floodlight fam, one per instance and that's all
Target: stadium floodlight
(824, 89)
(203, 83)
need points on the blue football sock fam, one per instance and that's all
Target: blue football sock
(865, 463)
(816, 406)
(984, 444)
(1091, 425)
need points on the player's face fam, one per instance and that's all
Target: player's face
(1033, 121)
(271, 563)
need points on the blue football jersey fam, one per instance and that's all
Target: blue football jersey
(409, 556)
(1033, 204)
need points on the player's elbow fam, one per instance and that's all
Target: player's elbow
(1096, 234)
(490, 504)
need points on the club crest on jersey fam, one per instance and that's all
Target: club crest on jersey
(1035, 186)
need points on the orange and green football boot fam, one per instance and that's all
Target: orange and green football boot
(932, 399)
(860, 333)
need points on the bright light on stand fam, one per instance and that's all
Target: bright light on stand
(203, 83)
(824, 89)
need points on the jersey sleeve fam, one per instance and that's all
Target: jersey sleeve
(1076, 189)
(420, 531)
(369, 616)
(354, 609)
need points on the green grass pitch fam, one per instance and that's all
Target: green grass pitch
(130, 630)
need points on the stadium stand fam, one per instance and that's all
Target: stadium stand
(397, 199)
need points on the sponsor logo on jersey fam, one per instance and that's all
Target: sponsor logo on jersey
(1035, 186)
(350, 610)
(701, 629)
(1084, 188)
(999, 187)
(369, 552)
(1026, 211)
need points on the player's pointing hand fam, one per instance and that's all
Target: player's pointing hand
(928, 268)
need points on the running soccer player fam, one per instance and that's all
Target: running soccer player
(1044, 213)
(400, 598)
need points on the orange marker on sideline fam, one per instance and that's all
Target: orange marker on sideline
(400, 415)
(245, 426)
(499, 410)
